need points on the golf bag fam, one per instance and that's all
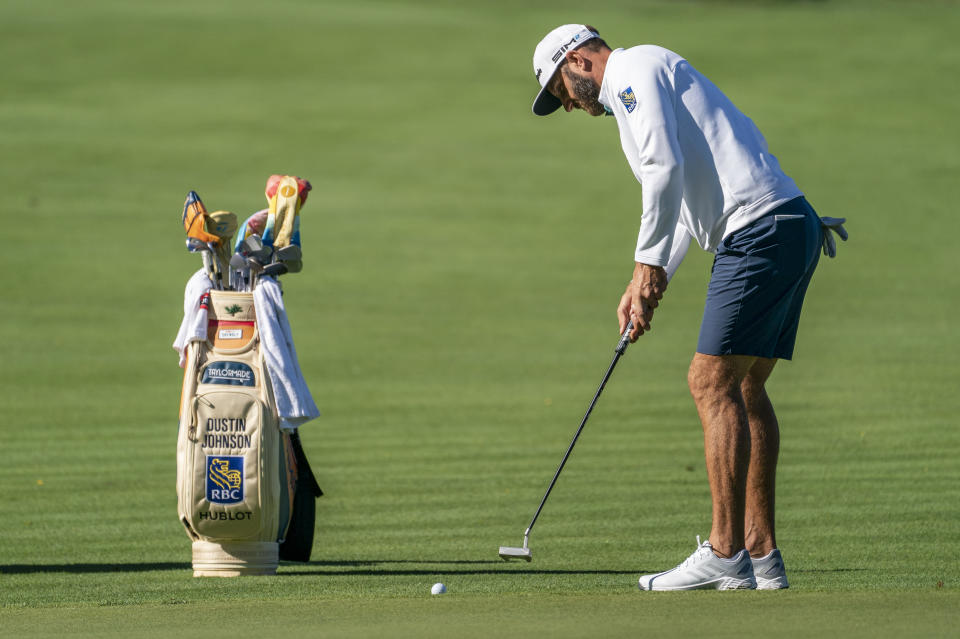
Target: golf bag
(241, 481)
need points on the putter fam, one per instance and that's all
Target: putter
(510, 552)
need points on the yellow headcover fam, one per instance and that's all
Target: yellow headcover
(285, 195)
(224, 225)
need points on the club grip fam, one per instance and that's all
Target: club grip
(625, 339)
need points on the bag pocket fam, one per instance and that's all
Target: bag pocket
(232, 487)
(231, 322)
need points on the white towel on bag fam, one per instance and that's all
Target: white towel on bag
(295, 404)
(193, 328)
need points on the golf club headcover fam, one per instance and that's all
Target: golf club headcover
(195, 219)
(235, 479)
(285, 195)
(223, 224)
(273, 183)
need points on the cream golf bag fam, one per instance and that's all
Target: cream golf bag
(237, 472)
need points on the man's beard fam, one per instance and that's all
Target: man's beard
(587, 93)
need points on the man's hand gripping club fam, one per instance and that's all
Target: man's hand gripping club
(643, 294)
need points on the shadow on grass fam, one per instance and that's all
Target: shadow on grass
(818, 571)
(458, 571)
(358, 567)
(26, 569)
(377, 562)
(367, 568)
(481, 567)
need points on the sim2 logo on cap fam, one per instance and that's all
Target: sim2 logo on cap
(629, 99)
(224, 479)
(564, 47)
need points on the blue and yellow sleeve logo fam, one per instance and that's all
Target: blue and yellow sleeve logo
(629, 99)
(224, 479)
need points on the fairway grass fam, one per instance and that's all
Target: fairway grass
(455, 313)
(612, 615)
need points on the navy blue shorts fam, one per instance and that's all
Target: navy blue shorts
(760, 275)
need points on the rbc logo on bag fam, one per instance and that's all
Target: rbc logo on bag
(224, 479)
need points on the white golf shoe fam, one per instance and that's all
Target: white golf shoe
(770, 572)
(704, 570)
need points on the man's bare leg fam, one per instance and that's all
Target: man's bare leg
(715, 382)
(759, 531)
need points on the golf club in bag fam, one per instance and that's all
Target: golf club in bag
(508, 552)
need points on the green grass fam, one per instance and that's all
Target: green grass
(855, 615)
(455, 313)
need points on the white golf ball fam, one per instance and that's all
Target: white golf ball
(438, 589)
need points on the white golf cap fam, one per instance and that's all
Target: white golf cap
(547, 57)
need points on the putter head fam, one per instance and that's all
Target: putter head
(508, 552)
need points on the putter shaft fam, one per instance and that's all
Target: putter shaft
(620, 350)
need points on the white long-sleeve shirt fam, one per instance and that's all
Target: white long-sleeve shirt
(704, 166)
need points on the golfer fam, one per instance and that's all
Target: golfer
(707, 176)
